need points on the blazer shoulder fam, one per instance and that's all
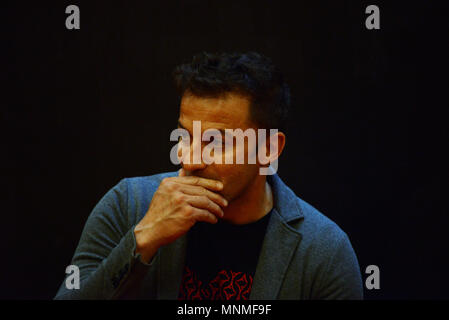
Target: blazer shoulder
(147, 182)
(316, 224)
(140, 191)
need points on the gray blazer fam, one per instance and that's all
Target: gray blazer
(304, 254)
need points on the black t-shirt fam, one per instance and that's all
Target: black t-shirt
(221, 260)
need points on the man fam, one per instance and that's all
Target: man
(217, 230)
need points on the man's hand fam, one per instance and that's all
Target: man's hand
(177, 205)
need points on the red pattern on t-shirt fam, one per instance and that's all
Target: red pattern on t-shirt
(227, 285)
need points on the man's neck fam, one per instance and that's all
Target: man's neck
(252, 205)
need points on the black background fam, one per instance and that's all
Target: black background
(366, 145)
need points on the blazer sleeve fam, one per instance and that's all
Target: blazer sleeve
(342, 278)
(105, 255)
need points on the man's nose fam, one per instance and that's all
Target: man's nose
(192, 160)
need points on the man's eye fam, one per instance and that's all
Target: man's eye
(219, 141)
(180, 139)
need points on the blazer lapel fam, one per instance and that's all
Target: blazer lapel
(280, 242)
(171, 267)
(277, 250)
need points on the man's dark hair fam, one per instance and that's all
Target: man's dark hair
(250, 74)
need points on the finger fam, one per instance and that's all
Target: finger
(200, 191)
(203, 215)
(181, 173)
(202, 202)
(202, 182)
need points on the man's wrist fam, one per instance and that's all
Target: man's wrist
(146, 246)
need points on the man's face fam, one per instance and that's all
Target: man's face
(228, 112)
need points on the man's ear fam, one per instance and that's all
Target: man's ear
(269, 153)
(280, 143)
(274, 145)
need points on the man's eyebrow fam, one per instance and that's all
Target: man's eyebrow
(182, 127)
(222, 131)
